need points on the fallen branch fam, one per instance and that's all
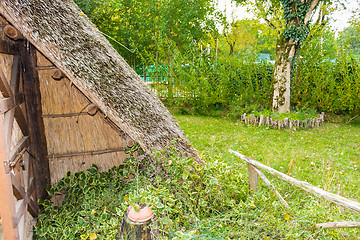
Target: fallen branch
(272, 188)
(338, 225)
(339, 200)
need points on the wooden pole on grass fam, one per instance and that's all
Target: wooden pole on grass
(339, 200)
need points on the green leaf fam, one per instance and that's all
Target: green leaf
(160, 205)
(185, 175)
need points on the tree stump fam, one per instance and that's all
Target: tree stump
(136, 224)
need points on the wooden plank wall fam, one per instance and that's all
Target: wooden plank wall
(75, 139)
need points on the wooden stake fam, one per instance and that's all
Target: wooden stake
(261, 121)
(253, 178)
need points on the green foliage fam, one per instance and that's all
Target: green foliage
(90, 207)
(146, 26)
(326, 81)
(211, 200)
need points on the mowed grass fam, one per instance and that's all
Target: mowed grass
(327, 157)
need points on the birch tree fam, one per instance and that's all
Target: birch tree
(293, 26)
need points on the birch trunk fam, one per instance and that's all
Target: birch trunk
(285, 53)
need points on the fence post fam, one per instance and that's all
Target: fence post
(253, 177)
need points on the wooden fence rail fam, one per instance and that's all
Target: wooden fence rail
(337, 199)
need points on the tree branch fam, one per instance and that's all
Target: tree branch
(272, 25)
(313, 5)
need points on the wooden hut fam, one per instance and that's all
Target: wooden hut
(68, 100)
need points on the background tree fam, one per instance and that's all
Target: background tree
(293, 29)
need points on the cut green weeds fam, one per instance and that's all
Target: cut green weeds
(213, 200)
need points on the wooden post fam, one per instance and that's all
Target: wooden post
(38, 145)
(7, 202)
(261, 121)
(253, 177)
(272, 188)
(136, 224)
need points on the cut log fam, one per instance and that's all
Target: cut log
(129, 142)
(261, 120)
(92, 109)
(57, 74)
(136, 224)
(339, 200)
(267, 121)
(338, 225)
(12, 33)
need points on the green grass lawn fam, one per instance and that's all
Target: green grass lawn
(327, 157)
(213, 200)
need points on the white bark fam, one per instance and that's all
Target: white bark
(282, 78)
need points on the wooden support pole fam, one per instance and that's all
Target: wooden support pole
(339, 200)
(338, 225)
(253, 178)
(272, 188)
(38, 145)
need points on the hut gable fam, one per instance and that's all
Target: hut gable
(62, 33)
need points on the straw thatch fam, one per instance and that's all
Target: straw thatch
(60, 31)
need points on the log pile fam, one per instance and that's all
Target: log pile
(287, 123)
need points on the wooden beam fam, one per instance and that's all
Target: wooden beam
(22, 144)
(38, 144)
(7, 202)
(20, 210)
(21, 121)
(9, 103)
(4, 85)
(33, 207)
(97, 152)
(64, 115)
(338, 225)
(8, 47)
(19, 191)
(15, 75)
(339, 200)
(46, 67)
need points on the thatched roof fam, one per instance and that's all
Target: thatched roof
(60, 30)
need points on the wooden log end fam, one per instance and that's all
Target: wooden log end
(92, 109)
(12, 33)
(57, 74)
(129, 142)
